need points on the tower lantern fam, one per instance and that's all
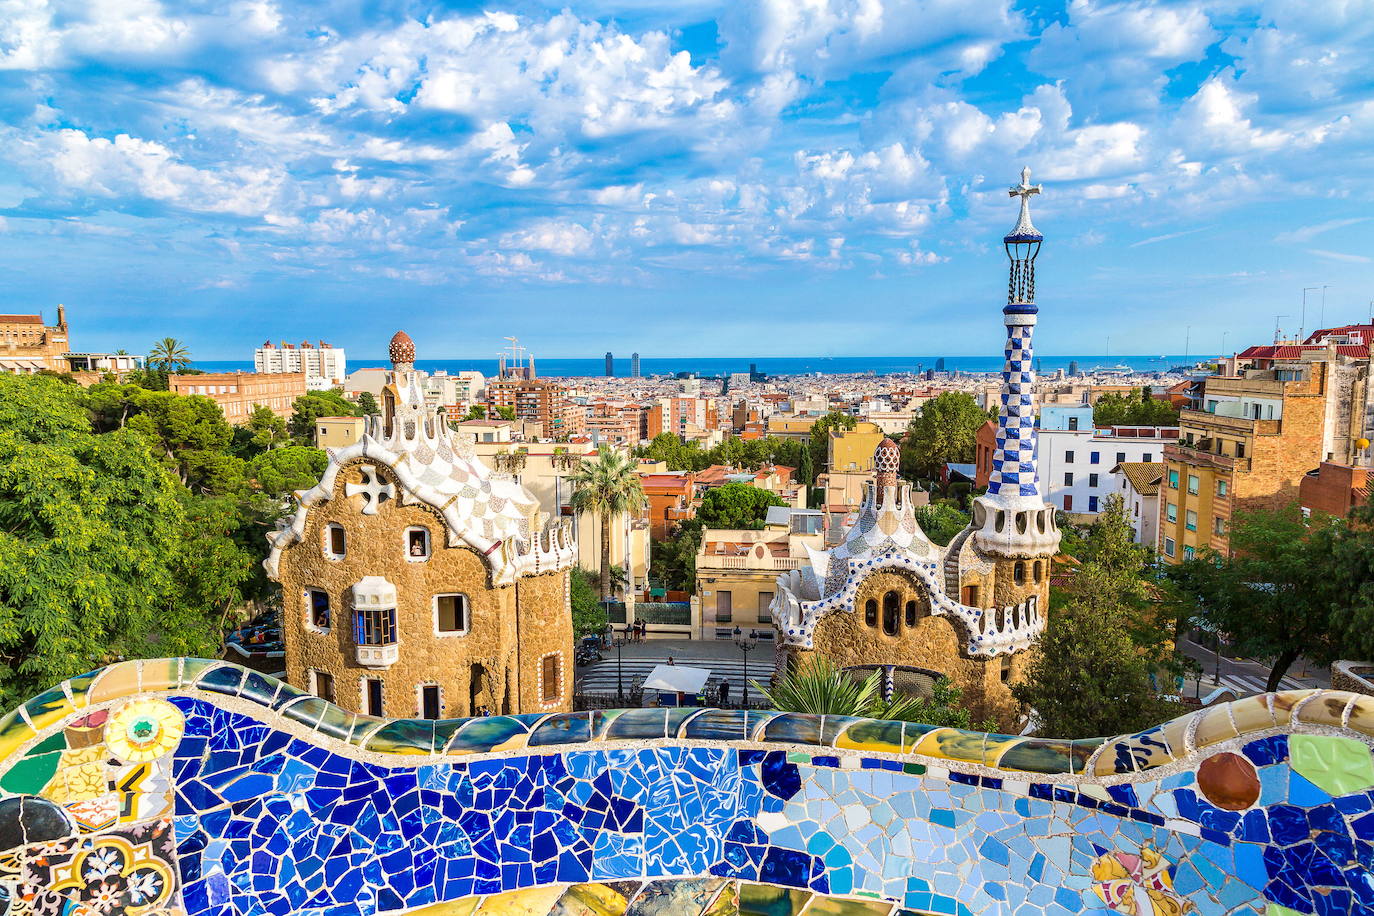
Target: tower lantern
(1022, 244)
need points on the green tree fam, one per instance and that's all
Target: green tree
(309, 407)
(103, 554)
(946, 430)
(818, 442)
(280, 472)
(820, 687)
(476, 412)
(607, 486)
(806, 470)
(367, 405)
(169, 355)
(588, 613)
(1136, 408)
(505, 413)
(674, 561)
(941, 521)
(736, 505)
(1279, 596)
(264, 430)
(1345, 548)
(1090, 679)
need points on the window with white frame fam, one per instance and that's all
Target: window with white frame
(451, 614)
(417, 543)
(335, 541)
(317, 610)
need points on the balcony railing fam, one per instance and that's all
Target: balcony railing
(717, 561)
(1203, 458)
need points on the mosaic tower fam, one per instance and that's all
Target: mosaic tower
(1013, 518)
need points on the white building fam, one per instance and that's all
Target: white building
(1076, 458)
(323, 365)
(1138, 485)
(458, 389)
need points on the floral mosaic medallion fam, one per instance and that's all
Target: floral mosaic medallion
(144, 730)
(130, 872)
(1138, 884)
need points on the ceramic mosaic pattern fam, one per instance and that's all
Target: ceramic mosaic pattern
(202, 788)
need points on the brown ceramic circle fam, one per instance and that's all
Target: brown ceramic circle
(1229, 781)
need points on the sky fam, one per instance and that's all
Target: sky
(691, 178)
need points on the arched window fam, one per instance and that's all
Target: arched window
(871, 612)
(891, 603)
(1018, 573)
(1038, 569)
(911, 613)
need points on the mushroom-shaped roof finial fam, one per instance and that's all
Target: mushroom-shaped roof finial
(402, 349)
(887, 459)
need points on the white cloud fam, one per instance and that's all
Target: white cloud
(562, 239)
(1340, 256)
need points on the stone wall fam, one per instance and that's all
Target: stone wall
(1356, 677)
(496, 663)
(197, 787)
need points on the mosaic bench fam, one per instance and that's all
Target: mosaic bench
(200, 787)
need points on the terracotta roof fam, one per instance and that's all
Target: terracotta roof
(1367, 329)
(1296, 351)
(21, 319)
(1144, 476)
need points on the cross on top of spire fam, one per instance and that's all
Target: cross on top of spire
(1025, 230)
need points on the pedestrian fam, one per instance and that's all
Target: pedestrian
(670, 661)
(724, 694)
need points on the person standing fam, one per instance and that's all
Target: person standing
(724, 694)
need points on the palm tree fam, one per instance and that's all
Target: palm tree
(169, 355)
(608, 486)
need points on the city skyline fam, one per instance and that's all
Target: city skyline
(734, 180)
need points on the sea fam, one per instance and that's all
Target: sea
(719, 366)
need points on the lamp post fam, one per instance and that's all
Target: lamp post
(619, 642)
(745, 644)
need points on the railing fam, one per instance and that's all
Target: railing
(1197, 456)
(668, 613)
(716, 561)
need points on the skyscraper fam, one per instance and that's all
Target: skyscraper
(634, 365)
(610, 364)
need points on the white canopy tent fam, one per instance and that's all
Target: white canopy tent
(677, 679)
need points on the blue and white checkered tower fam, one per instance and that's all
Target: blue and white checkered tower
(1014, 519)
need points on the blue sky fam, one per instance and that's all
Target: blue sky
(744, 178)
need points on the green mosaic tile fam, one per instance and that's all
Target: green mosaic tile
(79, 687)
(14, 731)
(486, 733)
(1038, 755)
(403, 736)
(31, 773)
(48, 708)
(1338, 766)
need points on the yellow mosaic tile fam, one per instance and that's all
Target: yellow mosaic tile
(117, 682)
(161, 674)
(14, 731)
(535, 901)
(1362, 715)
(465, 907)
(1174, 732)
(592, 900)
(1252, 714)
(48, 708)
(193, 668)
(952, 744)
(1285, 702)
(1326, 709)
(1214, 725)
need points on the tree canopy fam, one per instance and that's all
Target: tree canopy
(103, 553)
(606, 486)
(946, 430)
(1137, 408)
(749, 454)
(736, 505)
(312, 405)
(941, 521)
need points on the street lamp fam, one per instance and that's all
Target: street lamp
(619, 641)
(745, 644)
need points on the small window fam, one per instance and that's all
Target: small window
(1073, 423)
(1006, 668)
(1068, 457)
(1218, 525)
(1039, 570)
(417, 543)
(1168, 547)
(890, 604)
(911, 613)
(1018, 572)
(1222, 488)
(450, 614)
(1193, 484)
(372, 696)
(1092, 503)
(1121, 456)
(1148, 457)
(1171, 512)
(1173, 480)
(871, 612)
(1188, 552)
(1068, 478)
(970, 596)
(765, 607)
(431, 701)
(1092, 481)
(335, 541)
(322, 685)
(1240, 449)
(550, 679)
(375, 626)
(1190, 520)
(1068, 502)
(317, 609)
(1094, 457)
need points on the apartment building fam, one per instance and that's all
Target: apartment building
(737, 569)
(671, 497)
(687, 417)
(28, 345)
(238, 393)
(1290, 408)
(1076, 458)
(324, 366)
(542, 402)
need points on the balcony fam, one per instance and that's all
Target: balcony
(752, 563)
(1197, 457)
(378, 656)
